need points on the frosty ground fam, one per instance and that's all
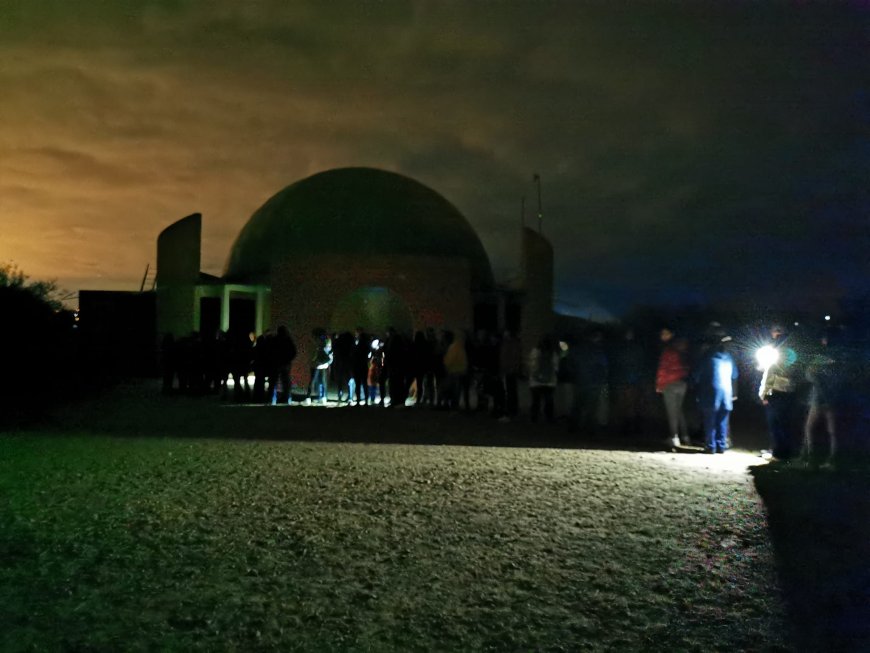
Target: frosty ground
(246, 541)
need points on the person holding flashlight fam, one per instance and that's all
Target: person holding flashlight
(777, 390)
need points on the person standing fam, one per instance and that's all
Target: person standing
(262, 360)
(283, 351)
(375, 372)
(342, 369)
(626, 379)
(421, 361)
(455, 368)
(543, 365)
(359, 356)
(442, 389)
(240, 355)
(777, 391)
(320, 363)
(395, 368)
(591, 373)
(715, 379)
(490, 389)
(824, 378)
(511, 367)
(435, 360)
(671, 384)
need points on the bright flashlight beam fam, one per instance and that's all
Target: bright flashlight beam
(766, 356)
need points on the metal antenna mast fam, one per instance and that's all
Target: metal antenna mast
(144, 277)
(537, 180)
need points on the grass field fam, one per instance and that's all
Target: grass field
(134, 522)
(182, 544)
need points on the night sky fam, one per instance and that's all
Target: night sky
(699, 152)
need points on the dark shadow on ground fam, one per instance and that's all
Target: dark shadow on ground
(138, 409)
(209, 418)
(820, 527)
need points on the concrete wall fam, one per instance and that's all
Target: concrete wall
(177, 309)
(178, 260)
(537, 311)
(178, 251)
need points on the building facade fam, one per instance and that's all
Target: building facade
(346, 248)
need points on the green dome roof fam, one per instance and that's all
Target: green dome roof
(360, 212)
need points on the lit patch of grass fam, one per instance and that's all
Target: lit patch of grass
(143, 544)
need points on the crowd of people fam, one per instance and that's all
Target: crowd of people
(442, 370)
(817, 374)
(607, 383)
(801, 392)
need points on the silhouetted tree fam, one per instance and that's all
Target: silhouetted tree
(35, 344)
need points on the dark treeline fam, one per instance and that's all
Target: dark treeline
(37, 346)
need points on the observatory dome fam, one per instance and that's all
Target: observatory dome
(359, 212)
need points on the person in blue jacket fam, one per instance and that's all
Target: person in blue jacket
(715, 381)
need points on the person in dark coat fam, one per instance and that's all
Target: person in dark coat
(627, 374)
(320, 363)
(283, 351)
(240, 353)
(421, 364)
(543, 369)
(396, 367)
(490, 390)
(360, 353)
(214, 361)
(190, 364)
(342, 365)
(443, 391)
(262, 359)
(511, 368)
(590, 365)
(430, 380)
(825, 377)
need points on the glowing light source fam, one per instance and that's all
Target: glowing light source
(827, 318)
(766, 356)
(231, 382)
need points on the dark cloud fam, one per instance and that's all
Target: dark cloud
(688, 151)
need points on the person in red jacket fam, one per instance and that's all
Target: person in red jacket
(671, 376)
